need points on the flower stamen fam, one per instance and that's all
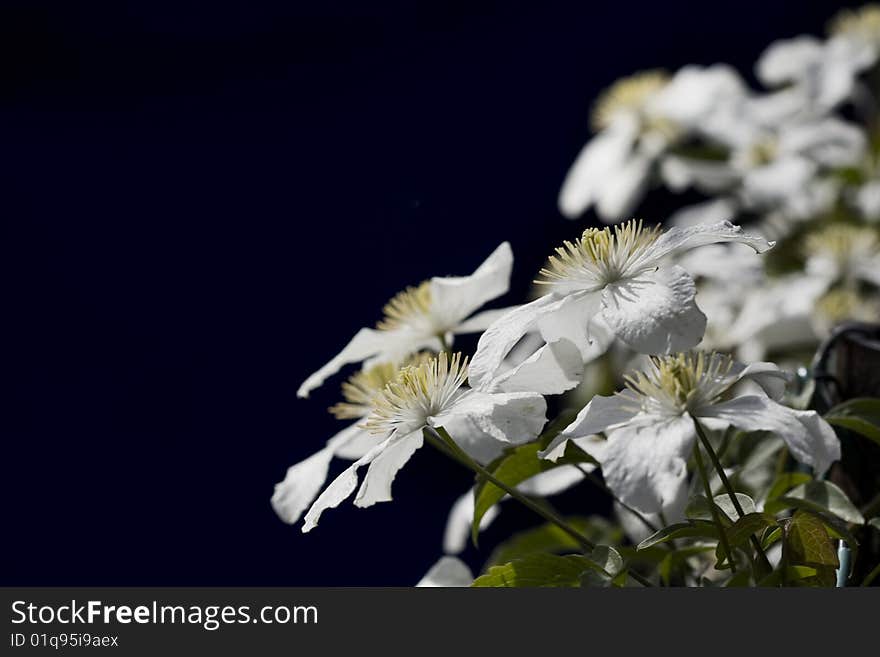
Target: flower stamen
(417, 393)
(681, 382)
(600, 256)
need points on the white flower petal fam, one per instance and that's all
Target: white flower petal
(376, 486)
(695, 93)
(655, 313)
(453, 298)
(673, 512)
(789, 59)
(343, 486)
(510, 417)
(767, 375)
(304, 480)
(553, 482)
(830, 142)
(605, 153)
(447, 572)
(645, 462)
(301, 485)
(366, 342)
(597, 416)
(482, 320)
(780, 181)
(552, 369)
(623, 189)
(458, 524)
(498, 340)
(677, 239)
(679, 173)
(809, 438)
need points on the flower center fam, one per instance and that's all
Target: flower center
(842, 243)
(417, 393)
(628, 94)
(601, 256)
(862, 23)
(364, 387)
(681, 382)
(409, 308)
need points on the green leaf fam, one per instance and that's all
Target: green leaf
(785, 482)
(513, 467)
(537, 570)
(692, 529)
(751, 523)
(771, 535)
(740, 532)
(609, 560)
(698, 507)
(807, 542)
(861, 415)
(821, 496)
(550, 538)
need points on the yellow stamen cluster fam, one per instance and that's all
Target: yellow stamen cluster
(411, 305)
(600, 256)
(362, 388)
(843, 304)
(627, 94)
(417, 393)
(842, 242)
(862, 23)
(682, 381)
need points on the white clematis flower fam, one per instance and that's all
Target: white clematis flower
(304, 480)
(821, 74)
(844, 253)
(636, 121)
(650, 425)
(423, 317)
(431, 395)
(613, 168)
(617, 280)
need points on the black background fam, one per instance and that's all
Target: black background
(203, 201)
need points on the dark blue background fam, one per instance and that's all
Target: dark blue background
(202, 202)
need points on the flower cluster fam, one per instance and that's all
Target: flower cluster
(649, 343)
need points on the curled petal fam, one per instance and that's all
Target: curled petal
(501, 337)
(552, 369)
(678, 238)
(455, 297)
(655, 313)
(810, 439)
(304, 480)
(599, 414)
(508, 417)
(343, 486)
(376, 486)
(366, 342)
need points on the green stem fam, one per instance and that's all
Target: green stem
(444, 343)
(719, 468)
(440, 439)
(716, 514)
